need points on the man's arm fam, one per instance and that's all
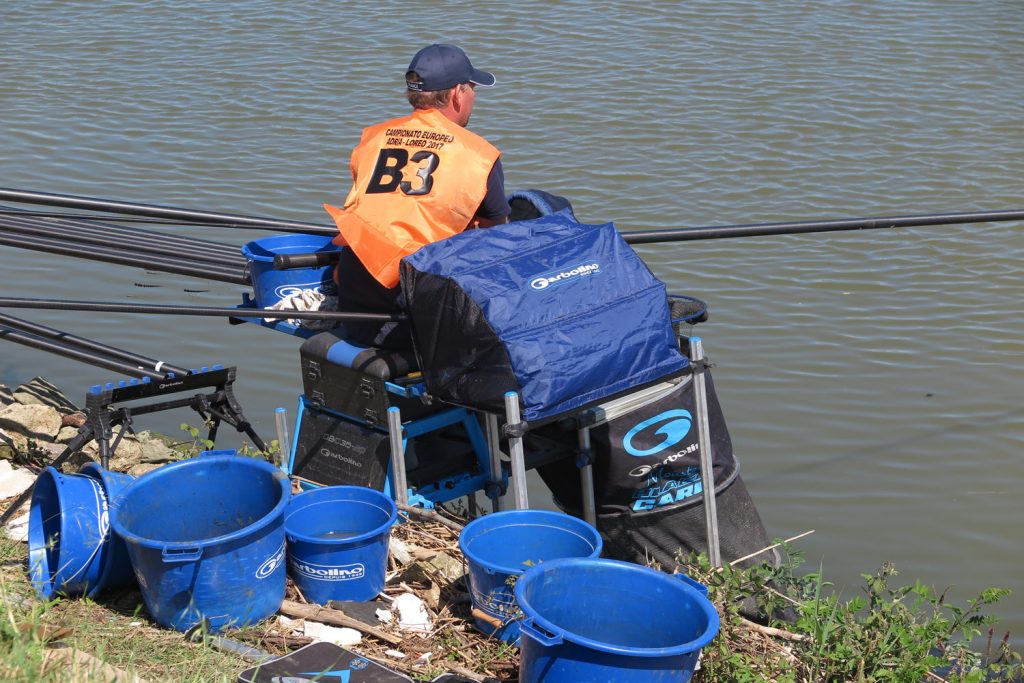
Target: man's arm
(488, 222)
(494, 209)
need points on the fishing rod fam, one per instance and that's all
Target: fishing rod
(166, 221)
(111, 307)
(77, 354)
(90, 222)
(634, 237)
(313, 260)
(141, 245)
(89, 345)
(802, 227)
(158, 263)
(72, 234)
(118, 218)
(169, 212)
(105, 228)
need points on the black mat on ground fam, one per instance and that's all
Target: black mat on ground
(322, 662)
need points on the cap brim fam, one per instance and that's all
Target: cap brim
(483, 78)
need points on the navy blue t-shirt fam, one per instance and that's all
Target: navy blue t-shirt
(495, 205)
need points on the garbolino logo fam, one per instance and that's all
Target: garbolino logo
(674, 425)
(271, 563)
(560, 277)
(294, 289)
(345, 572)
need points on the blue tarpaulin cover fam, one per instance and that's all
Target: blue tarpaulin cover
(561, 312)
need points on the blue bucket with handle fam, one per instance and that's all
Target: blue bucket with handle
(68, 529)
(605, 620)
(116, 570)
(206, 539)
(271, 286)
(501, 546)
(338, 542)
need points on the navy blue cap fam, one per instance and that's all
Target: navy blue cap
(444, 66)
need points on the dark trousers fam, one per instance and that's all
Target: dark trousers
(358, 291)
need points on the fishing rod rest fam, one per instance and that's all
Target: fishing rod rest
(102, 415)
(218, 406)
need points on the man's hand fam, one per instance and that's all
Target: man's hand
(488, 222)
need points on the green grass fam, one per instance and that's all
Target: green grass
(113, 630)
(886, 632)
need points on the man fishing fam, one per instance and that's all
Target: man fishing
(416, 180)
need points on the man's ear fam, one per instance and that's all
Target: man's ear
(458, 98)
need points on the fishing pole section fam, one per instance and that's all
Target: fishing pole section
(226, 220)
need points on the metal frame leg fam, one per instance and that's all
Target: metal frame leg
(400, 489)
(707, 474)
(283, 441)
(515, 451)
(494, 453)
(587, 477)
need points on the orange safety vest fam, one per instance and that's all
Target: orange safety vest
(415, 180)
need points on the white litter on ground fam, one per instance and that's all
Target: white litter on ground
(412, 613)
(17, 529)
(340, 636)
(14, 481)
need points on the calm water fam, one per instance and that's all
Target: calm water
(872, 380)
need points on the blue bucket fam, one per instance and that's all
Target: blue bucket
(206, 539)
(271, 286)
(604, 620)
(68, 528)
(501, 546)
(338, 542)
(116, 570)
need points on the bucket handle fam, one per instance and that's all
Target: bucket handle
(172, 555)
(693, 583)
(217, 452)
(527, 627)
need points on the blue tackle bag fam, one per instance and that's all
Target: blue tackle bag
(564, 314)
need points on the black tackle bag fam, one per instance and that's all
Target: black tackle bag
(647, 483)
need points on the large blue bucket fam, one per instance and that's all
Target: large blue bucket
(604, 620)
(206, 540)
(269, 285)
(68, 528)
(338, 542)
(501, 546)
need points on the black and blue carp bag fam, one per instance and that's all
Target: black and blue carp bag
(562, 313)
